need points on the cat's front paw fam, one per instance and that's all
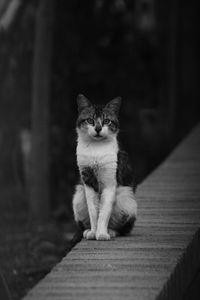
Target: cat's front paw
(89, 234)
(102, 236)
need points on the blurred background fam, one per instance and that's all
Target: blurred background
(50, 51)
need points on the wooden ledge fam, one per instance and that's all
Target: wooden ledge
(161, 257)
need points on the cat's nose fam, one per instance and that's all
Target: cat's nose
(98, 128)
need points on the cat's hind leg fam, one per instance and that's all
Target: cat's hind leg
(113, 233)
(124, 211)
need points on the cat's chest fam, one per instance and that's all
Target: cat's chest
(97, 154)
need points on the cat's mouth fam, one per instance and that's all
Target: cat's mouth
(98, 136)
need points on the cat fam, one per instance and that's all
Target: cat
(104, 201)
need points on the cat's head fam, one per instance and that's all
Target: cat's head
(98, 122)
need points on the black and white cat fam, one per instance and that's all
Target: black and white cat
(104, 201)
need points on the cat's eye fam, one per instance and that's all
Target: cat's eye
(106, 121)
(90, 121)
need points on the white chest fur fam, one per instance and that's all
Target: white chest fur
(90, 153)
(100, 155)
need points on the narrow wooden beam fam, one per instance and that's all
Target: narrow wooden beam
(161, 257)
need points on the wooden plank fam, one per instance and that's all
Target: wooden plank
(159, 259)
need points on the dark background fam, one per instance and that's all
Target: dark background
(143, 50)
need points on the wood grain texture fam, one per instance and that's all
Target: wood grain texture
(160, 258)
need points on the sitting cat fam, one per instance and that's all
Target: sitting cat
(104, 201)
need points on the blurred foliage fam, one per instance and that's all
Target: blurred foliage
(102, 49)
(28, 252)
(16, 51)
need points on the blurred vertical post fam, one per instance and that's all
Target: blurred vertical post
(39, 199)
(183, 53)
(172, 66)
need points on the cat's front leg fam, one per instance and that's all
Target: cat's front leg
(92, 204)
(106, 205)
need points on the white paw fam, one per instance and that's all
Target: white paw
(104, 236)
(89, 234)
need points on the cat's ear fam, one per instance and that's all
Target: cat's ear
(114, 105)
(83, 102)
